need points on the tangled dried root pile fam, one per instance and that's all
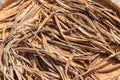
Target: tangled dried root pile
(57, 39)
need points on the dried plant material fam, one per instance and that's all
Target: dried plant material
(58, 39)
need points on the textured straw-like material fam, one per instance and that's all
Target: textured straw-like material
(59, 40)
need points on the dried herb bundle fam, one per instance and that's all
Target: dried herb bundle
(57, 39)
